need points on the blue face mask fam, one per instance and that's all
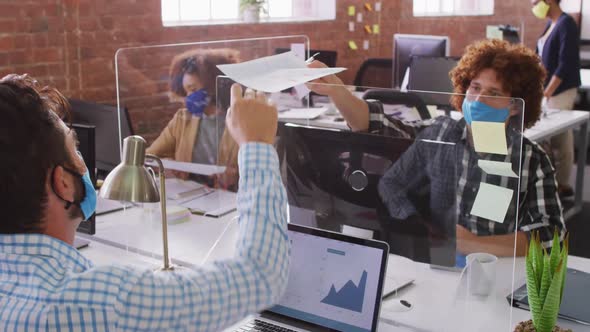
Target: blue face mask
(87, 203)
(197, 101)
(478, 111)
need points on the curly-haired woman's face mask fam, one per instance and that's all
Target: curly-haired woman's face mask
(486, 100)
(196, 96)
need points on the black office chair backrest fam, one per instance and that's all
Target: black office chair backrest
(394, 97)
(374, 72)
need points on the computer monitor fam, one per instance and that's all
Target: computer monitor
(327, 57)
(87, 147)
(406, 46)
(332, 181)
(106, 120)
(509, 33)
(432, 74)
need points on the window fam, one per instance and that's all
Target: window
(453, 7)
(201, 12)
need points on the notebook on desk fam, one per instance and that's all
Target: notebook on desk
(574, 304)
(214, 203)
(335, 283)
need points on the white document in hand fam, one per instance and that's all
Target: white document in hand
(275, 73)
(202, 169)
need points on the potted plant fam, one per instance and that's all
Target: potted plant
(250, 10)
(545, 279)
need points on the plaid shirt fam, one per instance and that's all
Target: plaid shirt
(46, 285)
(439, 174)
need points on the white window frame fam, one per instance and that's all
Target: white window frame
(303, 10)
(428, 8)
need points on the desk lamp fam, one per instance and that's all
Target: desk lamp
(130, 181)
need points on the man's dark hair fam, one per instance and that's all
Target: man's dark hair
(31, 143)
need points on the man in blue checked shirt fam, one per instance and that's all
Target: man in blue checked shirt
(46, 285)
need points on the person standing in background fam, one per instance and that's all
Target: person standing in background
(559, 50)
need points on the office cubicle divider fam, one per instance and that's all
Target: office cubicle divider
(171, 95)
(433, 189)
(423, 186)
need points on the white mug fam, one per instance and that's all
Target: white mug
(481, 273)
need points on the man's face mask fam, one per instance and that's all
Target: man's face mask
(474, 110)
(541, 9)
(87, 203)
(197, 101)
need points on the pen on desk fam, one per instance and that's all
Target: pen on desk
(311, 58)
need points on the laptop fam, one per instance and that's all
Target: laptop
(335, 283)
(574, 304)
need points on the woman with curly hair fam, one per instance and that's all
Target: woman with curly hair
(197, 132)
(440, 181)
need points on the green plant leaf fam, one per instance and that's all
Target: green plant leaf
(537, 256)
(564, 254)
(532, 288)
(546, 280)
(551, 303)
(555, 251)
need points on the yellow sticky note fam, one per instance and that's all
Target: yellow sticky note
(351, 10)
(376, 29)
(489, 137)
(368, 7)
(368, 29)
(492, 202)
(494, 32)
(352, 45)
(497, 168)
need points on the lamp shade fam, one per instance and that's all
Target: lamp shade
(130, 181)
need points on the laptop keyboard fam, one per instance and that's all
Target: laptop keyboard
(258, 325)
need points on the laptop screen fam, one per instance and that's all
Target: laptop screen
(335, 281)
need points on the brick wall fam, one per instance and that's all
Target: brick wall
(71, 43)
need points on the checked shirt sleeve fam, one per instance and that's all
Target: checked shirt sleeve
(213, 297)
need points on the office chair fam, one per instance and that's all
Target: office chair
(335, 175)
(374, 72)
(394, 97)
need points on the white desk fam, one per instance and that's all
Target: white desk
(435, 304)
(557, 122)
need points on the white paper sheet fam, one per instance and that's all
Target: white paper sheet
(299, 50)
(489, 137)
(202, 169)
(492, 202)
(497, 168)
(178, 188)
(275, 73)
(302, 113)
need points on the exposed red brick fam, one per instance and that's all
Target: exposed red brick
(42, 38)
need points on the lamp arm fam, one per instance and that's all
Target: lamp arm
(162, 208)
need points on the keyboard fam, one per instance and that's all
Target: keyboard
(258, 325)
